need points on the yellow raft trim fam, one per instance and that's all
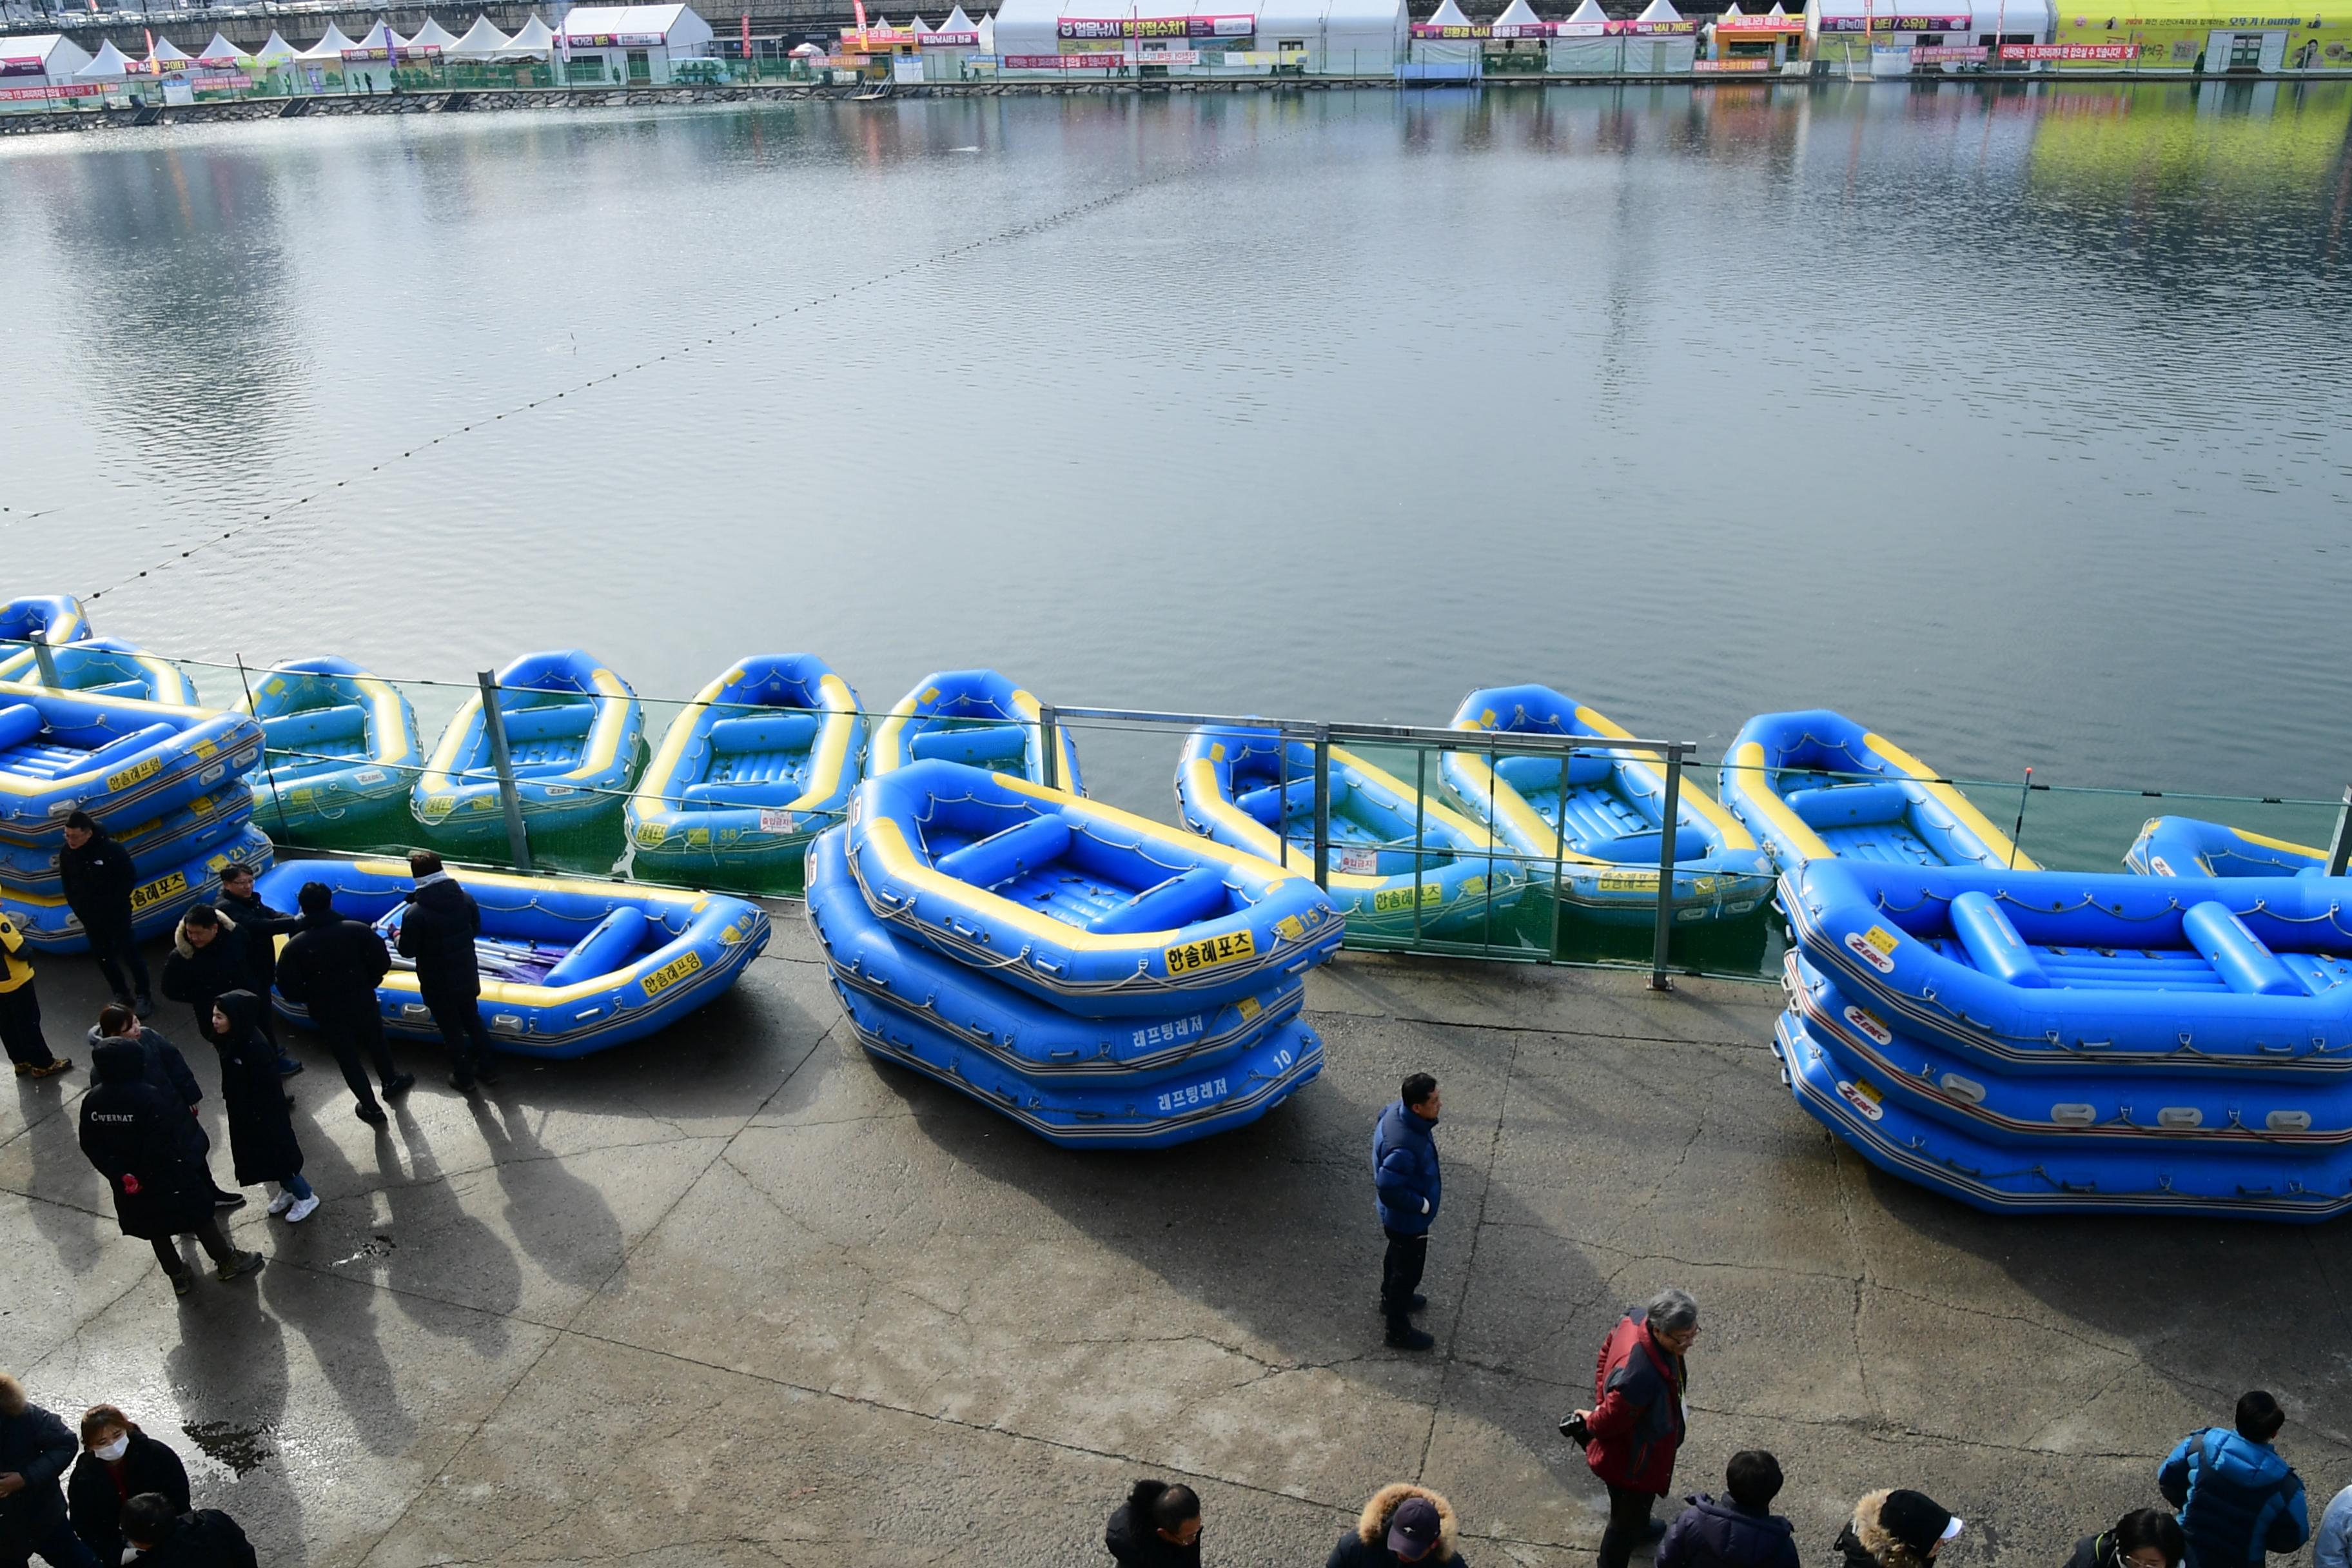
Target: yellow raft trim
(1529, 821)
(15, 784)
(384, 717)
(611, 700)
(1749, 763)
(882, 756)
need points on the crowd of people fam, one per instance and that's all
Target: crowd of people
(141, 1126)
(115, 1496)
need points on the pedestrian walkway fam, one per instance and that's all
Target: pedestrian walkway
(736, 1292)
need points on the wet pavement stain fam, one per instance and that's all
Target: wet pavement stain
(241, 1448)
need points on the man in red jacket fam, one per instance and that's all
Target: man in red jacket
(1636, 1423)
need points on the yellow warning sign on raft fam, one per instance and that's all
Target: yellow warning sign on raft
(134, 773)
(670, 974)
(1192, 957)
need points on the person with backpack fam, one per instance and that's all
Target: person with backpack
(2143, 1538)
(2238, 1498)
(1159, 1526)
(1640, 1383)
(333, 967)
(1741, 1531)
(166, 1537)
(151, 1151)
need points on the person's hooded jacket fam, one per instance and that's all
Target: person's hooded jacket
(1864, 1543)
(1134, 1542)
(438, 931)
(36, 1446)
(1406, 1175)
(1366, 1545)
(144, 1141)
(205, 1539)
(333, 965)
(2237, 1497)
(99, 878)
(260, 1129)
(198, 975)
(1717, 1532)
(262, 926)
(165, 1068)
(1638, 1389)
(98, 1490)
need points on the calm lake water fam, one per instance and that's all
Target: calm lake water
(2017, 424)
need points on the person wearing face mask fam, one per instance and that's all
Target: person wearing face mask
(1409, 1187)
(1159, 1526)
(2143, 1538)
(1641, 1388)
(117, 1462)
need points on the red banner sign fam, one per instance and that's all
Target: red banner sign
(2070, 51)
(1650, 29)
(1894, 22)
(1769, 24)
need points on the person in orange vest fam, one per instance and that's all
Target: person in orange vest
(20, 1009)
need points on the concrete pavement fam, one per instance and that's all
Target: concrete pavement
(738, 1294)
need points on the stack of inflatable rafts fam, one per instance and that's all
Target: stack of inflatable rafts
(164, 778)
(1102, 979)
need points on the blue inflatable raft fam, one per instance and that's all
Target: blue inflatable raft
(2185, 846)
(1243, 787)
(165, 892)
(342, 745)
(1131, 1082)
(170, 839)
(760, 761)
(975, 717)
(55, 619)
(568, 966)
(1599, 816)
(1816, 783)
(123, 762)
(572, 728)
(1094, 910)
(108, 667)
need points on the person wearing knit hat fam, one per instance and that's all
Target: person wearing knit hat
(1895, 1529)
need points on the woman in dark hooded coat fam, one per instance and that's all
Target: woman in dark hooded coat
(260, 1126)
(152, 1153)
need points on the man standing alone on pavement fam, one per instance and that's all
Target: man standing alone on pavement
(98, 877)
(437, 931)
(1406, 1180)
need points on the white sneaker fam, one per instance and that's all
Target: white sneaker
(302, 1210)
(282, 1202)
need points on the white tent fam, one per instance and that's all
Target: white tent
(1731, 10)
(1518, 13)
(483, 41)
(1580, 44)
(1661, 53)
(432, 36)
(921, 26)
(957, 22)
(109, 64)
(275, 52)
(169, 55)
(533, 40)
(1660, 10)
(1589, 14)
(328, 48)
(1448, 15)
(51, 55)
(380, 36)
(219, 51)
(988, 34)
(626, 43)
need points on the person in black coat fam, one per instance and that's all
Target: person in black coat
(1738, 1532)
(208, 958)
(261, 926)
(99, 876)
(1159, 1526)
(167, 1538)
(2143, 1538)
(438, 930)
(117, 1462)
(34, 1449)
(152, 1153)
(260, 1126)
(333, 967)
(162, 1066)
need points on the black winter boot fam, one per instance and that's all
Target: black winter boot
(1403, 1336)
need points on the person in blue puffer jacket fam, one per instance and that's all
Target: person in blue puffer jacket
(1409, 1190)
(2237, 1497)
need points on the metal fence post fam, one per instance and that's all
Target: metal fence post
(494, 726)
(1049, 741)
(1323, 806)
(46, 656)
(2340, 851)
(1672, 809)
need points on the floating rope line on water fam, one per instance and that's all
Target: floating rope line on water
(1001, 236)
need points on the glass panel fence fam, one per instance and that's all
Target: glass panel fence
(1517, 846)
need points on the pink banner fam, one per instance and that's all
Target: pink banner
(1771, 25)
(948, 41)
(68, 89)
(1894, 21)
(1650, 29)
(2070, 51)
(1211, 27)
